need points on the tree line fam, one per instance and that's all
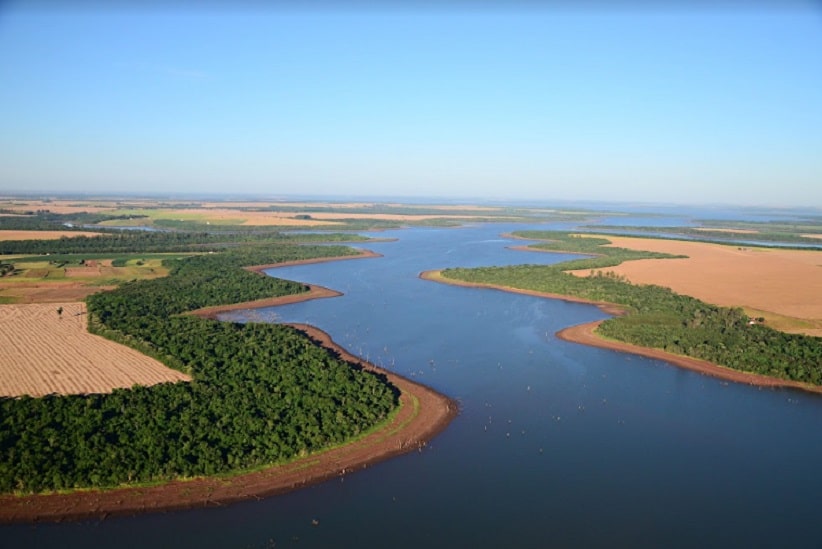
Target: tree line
(658, 317)
(120, 241)
(261, 393)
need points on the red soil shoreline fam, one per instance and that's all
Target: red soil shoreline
(423, 414)
(586, 335)
(314, 292)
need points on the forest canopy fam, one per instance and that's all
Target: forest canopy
(261, 393)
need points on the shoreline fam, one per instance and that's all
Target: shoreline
(436, 276)
(314, 291)
(585, 334)
(422, 414)
(363, 254)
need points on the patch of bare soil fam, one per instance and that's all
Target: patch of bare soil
(47, 349)
(785, 282)
(42, 235)
(51, 292)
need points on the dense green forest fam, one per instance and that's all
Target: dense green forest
(44, 220)
(656, 316)
(260, 394)
(163, 241)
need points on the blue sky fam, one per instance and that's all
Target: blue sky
(634, 104)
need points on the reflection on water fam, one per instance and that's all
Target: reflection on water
(556, 444)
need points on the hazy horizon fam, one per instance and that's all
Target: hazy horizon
(653, 106)
(621, 206)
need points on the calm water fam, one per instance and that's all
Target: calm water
(556, 445)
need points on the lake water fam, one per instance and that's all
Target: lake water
(556, 444)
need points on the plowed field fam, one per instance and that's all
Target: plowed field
(784, 286)
(45, 352)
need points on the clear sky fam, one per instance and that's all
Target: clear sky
(640, 103)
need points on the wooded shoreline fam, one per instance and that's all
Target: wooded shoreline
(586, 335)
(422, 414)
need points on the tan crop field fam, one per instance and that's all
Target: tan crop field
(45, 352)
(783, 286)
(238, 213)
(229, 216)
(42, 235)
(56, 206)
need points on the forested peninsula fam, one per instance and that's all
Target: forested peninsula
(260, 395)
(653, 316)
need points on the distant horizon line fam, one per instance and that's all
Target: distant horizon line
(387, 198)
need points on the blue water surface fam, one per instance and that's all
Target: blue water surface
(556, 444)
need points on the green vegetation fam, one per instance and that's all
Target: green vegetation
(27, 271)
(135, 242)
(261, 393)
(805, 224)
(728, 233)
(44, 220)
(656, 316)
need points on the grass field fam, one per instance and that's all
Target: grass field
(65, 278)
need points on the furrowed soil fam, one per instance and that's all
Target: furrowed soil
(45, 352)
(787, 283)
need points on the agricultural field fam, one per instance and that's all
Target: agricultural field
(779, 285)
(657, 317)
(324, 215)
(41, 235)
(53, 279)
(47, 349)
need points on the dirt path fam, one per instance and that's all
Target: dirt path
(423, 413)
(586, 334)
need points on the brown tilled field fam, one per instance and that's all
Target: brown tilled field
(55, 206)
(785, 283)
(53, 292)
(45, 352)
(42, 235)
